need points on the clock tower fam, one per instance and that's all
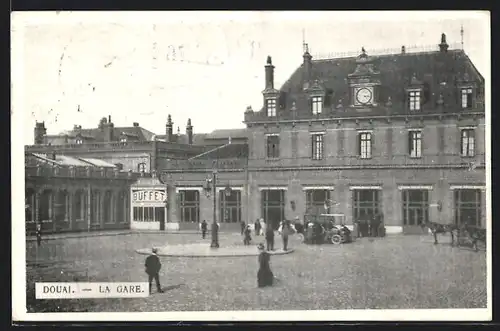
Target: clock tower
(364, 82)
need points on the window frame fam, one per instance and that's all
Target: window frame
(317, 104)
(412, 140)
(141, 165)
(466, 142)
(79, 141)
(317, 152)
(191, 207)
(271, 107)
(272, 153)
(414, 99)
(368, 148)
(469, 92)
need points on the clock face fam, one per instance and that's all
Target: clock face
(364, 95)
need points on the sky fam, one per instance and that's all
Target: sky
(73, 68)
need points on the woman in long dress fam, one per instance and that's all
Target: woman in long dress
(264, 275)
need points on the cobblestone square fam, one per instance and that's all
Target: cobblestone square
(402, 272)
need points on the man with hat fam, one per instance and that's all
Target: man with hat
(153, 267)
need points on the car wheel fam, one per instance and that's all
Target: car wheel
(336, 239)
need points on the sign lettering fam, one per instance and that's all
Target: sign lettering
(149, 196)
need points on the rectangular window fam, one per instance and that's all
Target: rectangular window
(317, 146)
(414, 100)
(138, 214)
(365, 145)
(273, 207)
(273, 147)
(366, 203)
(317, 105)
(271, 107)
(317, 199)
(468, 207)
(415, 206)
(230, 206)
(190, 206)
(467, 98)
(468, 142)
(415, 143)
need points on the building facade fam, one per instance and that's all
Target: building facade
(398, 134)
(66, 194)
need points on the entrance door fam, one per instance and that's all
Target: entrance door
(160, 216)
(273, 207)
(415, 204)
(468, 207)
(366, 204)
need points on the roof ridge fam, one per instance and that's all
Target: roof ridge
(387, 55)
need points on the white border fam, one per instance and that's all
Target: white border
(22, 19)
(470, 187)
(234, 188)
(365, 187)
(415, 187)
(319, 187)
(188, 188)
(263, 188)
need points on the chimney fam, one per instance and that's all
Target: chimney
(108, 130)
(269, 74)
(307, 66)
(169, 129)
(136, 124)
(443, 47)
(189, 132)
(403, 49)
(40, 132)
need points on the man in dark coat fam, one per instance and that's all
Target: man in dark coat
(204, 227)
(38, 234)
(248, 238)
(242, 226)
(153, 267)
(270, 237)
(257, 227)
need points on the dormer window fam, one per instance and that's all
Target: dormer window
(466, 98)
(123, 139)
(271, 107)
(79, 141)
(317, 105)
(414, 99)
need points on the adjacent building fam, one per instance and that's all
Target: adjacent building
(398, 134)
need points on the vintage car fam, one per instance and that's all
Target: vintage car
(324, 228)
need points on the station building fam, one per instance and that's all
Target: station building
(399, 134)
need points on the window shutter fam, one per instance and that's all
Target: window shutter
(358, 143)
(312, 146)
(309, 101)
(460, 145)
(409, 143)
(372, 144)
(323, 146)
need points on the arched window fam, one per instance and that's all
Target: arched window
(141, 167)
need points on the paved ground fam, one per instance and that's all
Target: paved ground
(391, 272)
(204, 250)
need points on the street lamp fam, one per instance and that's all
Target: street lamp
(211, 188)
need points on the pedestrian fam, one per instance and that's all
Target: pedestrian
(257, 227)
(153, 267)
(265, 276)
(270, 238)
(38, 234)
(243, 227)
(285, 232)
(204, 227)
(263, 226)
(248, 238)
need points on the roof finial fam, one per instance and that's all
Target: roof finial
(304, 45)
(363, 50)
(462, 36)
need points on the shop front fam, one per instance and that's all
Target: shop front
(149, 205)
